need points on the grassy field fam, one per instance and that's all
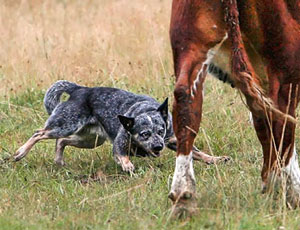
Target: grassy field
(123, 44)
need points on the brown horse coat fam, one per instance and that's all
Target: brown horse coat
(265, 33)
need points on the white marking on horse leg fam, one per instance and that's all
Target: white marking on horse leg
(292, 172)
(184, 177)
(251, 118)
(202, 72)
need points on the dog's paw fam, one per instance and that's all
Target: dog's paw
(208, 159)
(128, 167)
(60, 162)
(125, 163)
(19, 154)
(225, 159)
(216, 160)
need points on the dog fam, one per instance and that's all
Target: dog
(136, 125)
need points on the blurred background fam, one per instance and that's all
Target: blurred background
(117, 43)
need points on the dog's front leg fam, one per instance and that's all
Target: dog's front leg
(121, 147)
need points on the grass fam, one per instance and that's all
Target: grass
(122, 44)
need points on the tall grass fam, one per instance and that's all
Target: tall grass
(124, 44)
(116, 43)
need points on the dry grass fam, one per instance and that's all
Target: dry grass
(115, 43)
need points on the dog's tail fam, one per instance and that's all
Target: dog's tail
(53, 94)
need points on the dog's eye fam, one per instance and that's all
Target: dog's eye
(161, 132)
(145, 134)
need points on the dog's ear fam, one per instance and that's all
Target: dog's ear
(163, 109)
(127, 122)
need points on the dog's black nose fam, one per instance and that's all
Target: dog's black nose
(158, 148)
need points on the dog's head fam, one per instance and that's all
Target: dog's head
(148, 129)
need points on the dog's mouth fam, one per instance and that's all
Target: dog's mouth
(143, 152)
(154, 153)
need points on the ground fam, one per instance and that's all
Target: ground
(123, 44)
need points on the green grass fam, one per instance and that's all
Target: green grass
(36, 194)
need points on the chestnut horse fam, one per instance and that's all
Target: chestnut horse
(262, 32)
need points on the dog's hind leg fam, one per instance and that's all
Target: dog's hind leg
(68, 118)
(197, 154)
(59, 151)
(87, 138)
(208, 159)
(37, 136)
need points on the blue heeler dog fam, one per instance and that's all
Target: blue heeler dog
(137, 125)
